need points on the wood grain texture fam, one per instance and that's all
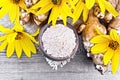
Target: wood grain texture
(36, 68)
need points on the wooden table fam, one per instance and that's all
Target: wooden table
(36, 68)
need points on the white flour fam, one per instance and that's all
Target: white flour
(59, 41)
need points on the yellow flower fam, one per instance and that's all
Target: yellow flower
(104, 5)
(109, 45)
(80, 7)
(59, 8)
(12, 7)
(88, 4)
(16, 39)
(75, 1)
(78, 10)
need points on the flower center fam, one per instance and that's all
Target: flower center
(16, 1)
(113, 45)
(56, 2)
(19, 36)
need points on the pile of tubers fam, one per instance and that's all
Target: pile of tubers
(25, 17)
(103, 22)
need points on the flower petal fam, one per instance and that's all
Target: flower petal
(12, 10)
(89, 3)
(115, 63)
(108, 56)
(4, 10)
(17, 27)
(10, 49)
(22, 5)
(102, 6)
(51, 16)
(64, 17)
(75, 1)
(66, 9)
(29, 36)
(111, 9)
(25, 48)
(45, 9)
(85, 14)
(2, 2)
(30, 45)
(99, 48)
(3, 45)
(41, 3)
(11, 37)
(2, 38)
(55, 15)
(5, 30)
(78, 10)
(114, 35)
(100, 39)
(18, 48)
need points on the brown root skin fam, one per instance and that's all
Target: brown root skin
(34, 1)
(98, 13)
(24, 17)
(40, 18)
(79, 25)
(107, 16)
(30, 3)
(81, 28)
(118, 6)
(114, 2)
(115, 23)
(90, 28)
(98, 61)
(88, 33)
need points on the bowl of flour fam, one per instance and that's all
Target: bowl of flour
(58, 42)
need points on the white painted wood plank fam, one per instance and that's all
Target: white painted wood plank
(36, 68)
